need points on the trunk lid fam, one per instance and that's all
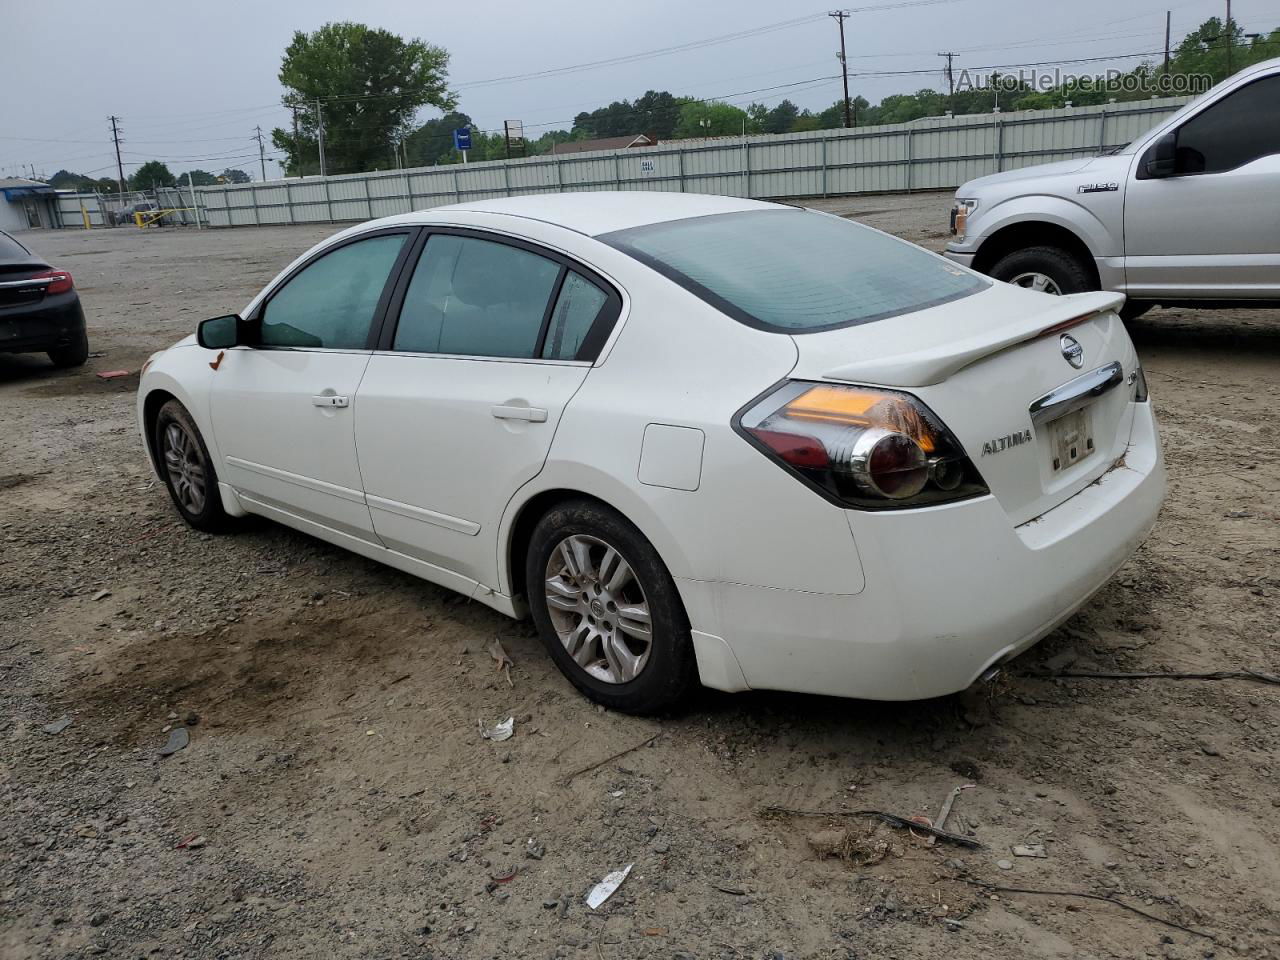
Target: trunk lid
(981, 363)
(15, 270)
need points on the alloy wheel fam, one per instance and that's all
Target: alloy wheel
(1037, 281)
(185, 467)
(598, 609)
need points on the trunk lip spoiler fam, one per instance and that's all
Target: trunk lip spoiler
(933, 365)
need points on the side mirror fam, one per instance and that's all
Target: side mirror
(1161, 159)
(219, 333)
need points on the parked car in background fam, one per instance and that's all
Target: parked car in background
(1188, 214)
(125, 215)
(39, 308)
(697, 438)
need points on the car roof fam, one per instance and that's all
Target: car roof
(601, 211)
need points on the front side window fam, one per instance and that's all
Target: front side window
(331, 302)
(794, 271)
(1236, 130)
(476, 298)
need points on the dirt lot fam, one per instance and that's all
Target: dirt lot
(345, 805)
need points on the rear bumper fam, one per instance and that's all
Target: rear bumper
(950, 591)
(56, 321)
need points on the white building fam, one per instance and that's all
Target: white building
(27, 204)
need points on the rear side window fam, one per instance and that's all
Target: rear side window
(793, 271)
(330, 303)
(476, 298)
(577, 307)
(1236, 130)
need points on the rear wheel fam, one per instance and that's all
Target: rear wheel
(73, 354)
(607, 609)
(1047, 269)
(187, 469)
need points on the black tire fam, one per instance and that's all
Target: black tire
(204, 513)
(1065, 269)
(670, 670)
(73, 354)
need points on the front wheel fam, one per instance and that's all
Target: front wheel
(607, 609)
(1046, 269)
(187, 469)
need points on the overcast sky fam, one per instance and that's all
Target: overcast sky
(190, 83)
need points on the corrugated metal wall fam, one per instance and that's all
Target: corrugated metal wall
(928, 154)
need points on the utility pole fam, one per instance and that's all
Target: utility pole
(320, 135)
(297, 159)
(262, 160)
(115, 136)
(1230, 38)
(1168, 20)
(951, 81)
(839, 16)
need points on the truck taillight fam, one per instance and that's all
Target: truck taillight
(861, 446)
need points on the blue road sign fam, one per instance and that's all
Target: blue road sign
(462, 138)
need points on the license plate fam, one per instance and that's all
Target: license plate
(1071, 439)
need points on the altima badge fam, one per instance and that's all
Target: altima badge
(1072, 352)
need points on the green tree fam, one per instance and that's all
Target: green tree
(233, 176)
(150, 175)
(711, 118)
(781, 117)
(370, 83)
(199, 178)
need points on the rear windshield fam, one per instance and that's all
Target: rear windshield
(795, 271)
(11, 249)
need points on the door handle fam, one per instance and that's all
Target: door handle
(532, 414)
(329, 400)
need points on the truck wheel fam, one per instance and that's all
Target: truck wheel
(1047, 269)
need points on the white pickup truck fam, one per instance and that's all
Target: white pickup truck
(1188, 214)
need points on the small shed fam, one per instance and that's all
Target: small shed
(27, 204)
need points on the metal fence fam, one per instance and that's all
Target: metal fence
(928, 154)
(114, 210)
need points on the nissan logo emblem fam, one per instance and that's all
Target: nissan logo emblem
(1072, 352)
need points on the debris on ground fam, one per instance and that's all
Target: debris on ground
(607, 887)
(57, 726)
(502, 730)
(100, 595)
(862, 847)
(505, 663)
(534, 850)
(193, 842)
(112, 374)
(941, 822)
(1029, 850)
(892, 819)
(178, 740)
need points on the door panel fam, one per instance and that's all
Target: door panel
(283, 440)
(1212, 229)
(444, 444)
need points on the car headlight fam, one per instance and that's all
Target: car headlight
(960, 211)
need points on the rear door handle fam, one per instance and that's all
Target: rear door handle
(328, 400)
(532, 414)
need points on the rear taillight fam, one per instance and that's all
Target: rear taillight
(59, 281)
(861, 446)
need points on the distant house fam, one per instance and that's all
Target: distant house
(606, 143)
(27, 204)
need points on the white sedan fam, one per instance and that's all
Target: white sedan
(698, 439)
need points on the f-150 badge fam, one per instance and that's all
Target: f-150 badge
(1097, 187)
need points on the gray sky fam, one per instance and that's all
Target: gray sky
(190, 84)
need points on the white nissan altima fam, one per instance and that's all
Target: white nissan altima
(698, 439)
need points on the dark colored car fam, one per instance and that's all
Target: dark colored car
(39, 308)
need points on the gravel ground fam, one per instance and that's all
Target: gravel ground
(336, 800)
